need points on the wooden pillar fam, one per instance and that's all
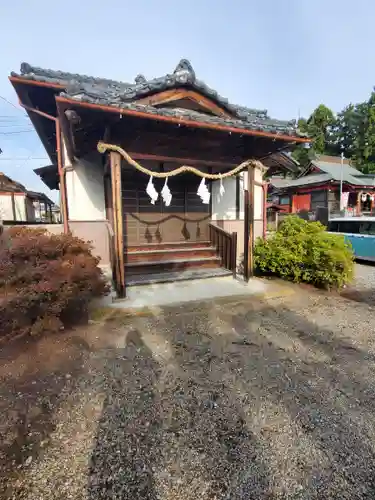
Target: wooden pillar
(249, 226)
(264, 191)
(246, 236)
(14, 212)
(359, 202)
(119, 263)
(108, 199)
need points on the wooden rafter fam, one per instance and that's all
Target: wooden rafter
(177, 94)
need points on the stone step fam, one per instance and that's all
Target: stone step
(168, 246)
(144, 267)
(173, 276)
(169, 254)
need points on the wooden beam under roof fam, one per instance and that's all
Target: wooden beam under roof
(169, 96)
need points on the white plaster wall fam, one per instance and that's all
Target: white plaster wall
(85, 190)
(30, 210)
(6, 210)
(224, 207)
(258, 195)
(20, 207)
(6, 207)
(65, 157)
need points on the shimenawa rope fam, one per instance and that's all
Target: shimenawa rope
(103, 147)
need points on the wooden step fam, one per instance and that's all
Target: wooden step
(137, 268)
(168, 246)
(169, 254)
(172, 276)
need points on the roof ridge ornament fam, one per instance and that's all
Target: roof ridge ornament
(140, 79)
(26, 68)
(184, 72)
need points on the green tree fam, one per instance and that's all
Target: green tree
(346, 129)
(300, 153)
(354, 133)
(320, 128)
(366, 145)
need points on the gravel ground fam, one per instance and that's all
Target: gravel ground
(363, 288)
(241, 400)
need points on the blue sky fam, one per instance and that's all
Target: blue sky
(286, 57)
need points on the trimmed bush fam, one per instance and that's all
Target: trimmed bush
(303, 251)
(46, 280)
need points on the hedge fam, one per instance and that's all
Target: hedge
(303, 251)
(46, 280)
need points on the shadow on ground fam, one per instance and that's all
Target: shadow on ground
(235, 401)
(220, 400)
(164, 432)
(365, 296)
(35, 377)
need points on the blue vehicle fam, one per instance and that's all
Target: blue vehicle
(360, 231)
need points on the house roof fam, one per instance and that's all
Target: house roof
(122, 95)
(35, 195)
(301, 181)
(330, 169)
(9, 185)
(49, 176)
(321, 179)
(275, 206)
(334, 168)
(282, 161)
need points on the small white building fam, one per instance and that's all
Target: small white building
(18, 204)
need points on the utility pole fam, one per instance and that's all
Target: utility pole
(341, 179)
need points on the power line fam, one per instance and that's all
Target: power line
(10, 119)
(10, 125)
(9, 116)
(17, 132)
(13, 105)
(22, 159)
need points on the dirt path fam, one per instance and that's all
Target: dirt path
(258, 400)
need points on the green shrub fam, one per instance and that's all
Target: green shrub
(303, 251)
(46, 281)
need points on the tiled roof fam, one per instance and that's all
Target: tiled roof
(49, 176)
(36, 195)
(8, 184)
(334, 168)
(282, 161)
(349, 174)
(302, 181)
(320, 179)
(122, 95)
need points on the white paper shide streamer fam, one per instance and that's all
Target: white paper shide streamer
(166, 193)
(221, 189)
(203, 192)
(151, 191)
(221, 192)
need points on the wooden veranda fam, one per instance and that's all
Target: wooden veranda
(224, 243)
